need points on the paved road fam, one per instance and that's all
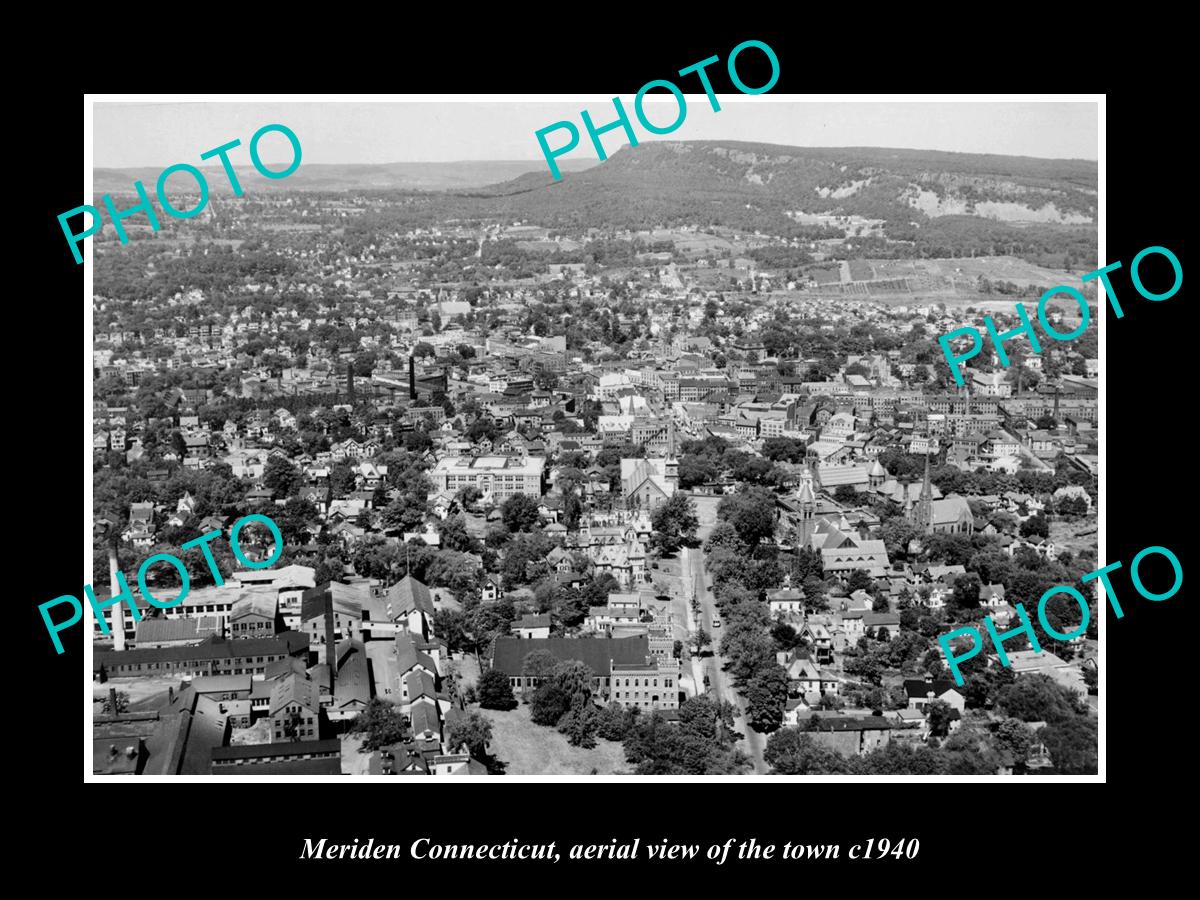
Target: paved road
(695, 578)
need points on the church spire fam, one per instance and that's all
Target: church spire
(671, 464)
(925, 504)
(806, 496)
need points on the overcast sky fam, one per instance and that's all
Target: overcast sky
(158, 134)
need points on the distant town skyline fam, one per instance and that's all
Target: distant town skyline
(134, 134)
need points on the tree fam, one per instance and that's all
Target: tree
(473, 730)
(1013, 741)
(702, 743)
(791, 751)
(572, 511)
(520, 513)
(900, 758)
(1038, 698)
(897, 533)
(122, 703)
(1072, 745)
(1071, 506)
(701, 639)
(580, 722)
(766, 695)
(341, 479)
(494, 691)
(966, 591)
(674, 523)
(468, 496)
(751, 512)
(846, 495)
(525, 559)
(859, 580)
(1036, 526)
(294, 520)
(281, 477)
(616, 721)
(455, 536)
(723, 537)
(557, 693)
(939, 715)
(383, 724)
(450, 626)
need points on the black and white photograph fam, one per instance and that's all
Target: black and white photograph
(417, 450)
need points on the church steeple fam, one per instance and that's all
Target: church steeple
(925, 503)
(671, 464)
(806, 497)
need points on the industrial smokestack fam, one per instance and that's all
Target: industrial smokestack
(412, 378)
(118, 616)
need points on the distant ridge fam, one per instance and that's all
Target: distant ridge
(413, 176)
(765, 186)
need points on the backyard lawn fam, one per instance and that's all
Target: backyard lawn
(537, 750)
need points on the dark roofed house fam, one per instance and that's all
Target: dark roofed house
(599, 654)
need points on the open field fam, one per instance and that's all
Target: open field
(994, 268)
(1074, 536)
(530, 749)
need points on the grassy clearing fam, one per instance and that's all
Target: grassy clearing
(536, 750)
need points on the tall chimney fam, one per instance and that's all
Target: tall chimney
(412, 378)
(118, 616)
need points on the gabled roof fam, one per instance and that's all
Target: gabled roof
(409, 594)
(420, 684)
(295, 688)
(258, 604)
(347, 600)
(409, 656)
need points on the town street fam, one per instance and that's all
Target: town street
(694, 577)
